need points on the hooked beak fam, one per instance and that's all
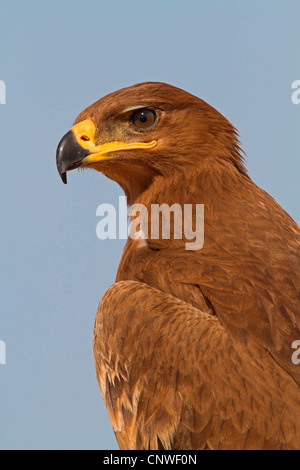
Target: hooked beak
(77, 148)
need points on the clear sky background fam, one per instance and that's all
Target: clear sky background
(56, 58)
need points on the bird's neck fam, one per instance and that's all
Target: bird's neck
(172, 212)
(192, 185)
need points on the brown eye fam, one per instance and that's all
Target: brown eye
(143, 118)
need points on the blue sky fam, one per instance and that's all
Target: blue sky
(56, 58)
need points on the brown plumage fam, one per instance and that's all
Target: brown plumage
(193, 348)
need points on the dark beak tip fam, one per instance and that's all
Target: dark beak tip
(64, 177)
(69, 155)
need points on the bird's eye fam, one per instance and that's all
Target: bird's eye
(143, 118)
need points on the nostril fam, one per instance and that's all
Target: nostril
(84, 137)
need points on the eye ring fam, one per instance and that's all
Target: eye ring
(143, 118)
